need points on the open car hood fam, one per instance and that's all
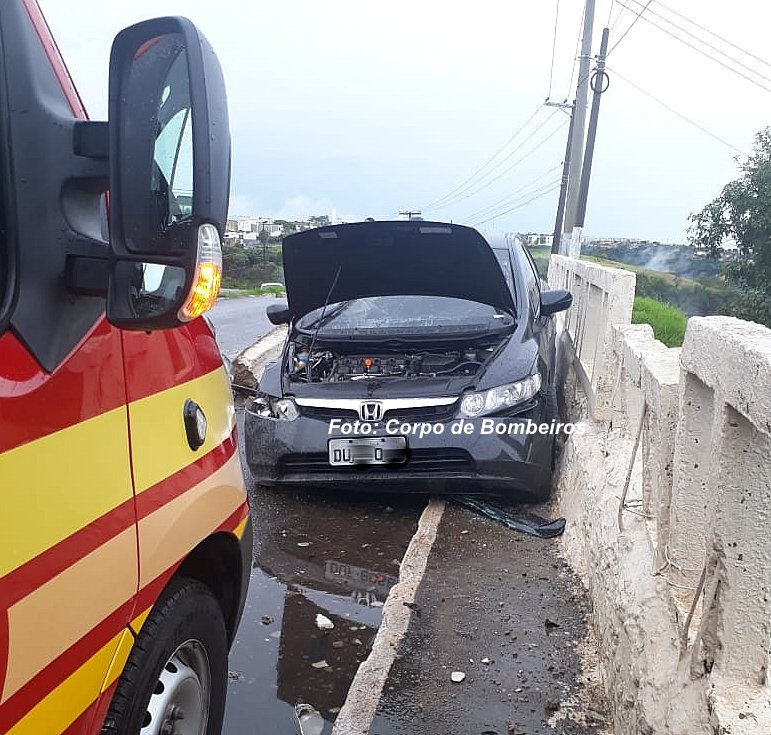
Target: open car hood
(391, 259)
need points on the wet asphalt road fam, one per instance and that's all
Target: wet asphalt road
(240, 322)
(315, 552)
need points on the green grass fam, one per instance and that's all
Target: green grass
(667, 321)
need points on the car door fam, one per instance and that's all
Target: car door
(68, 540)
(542, 327)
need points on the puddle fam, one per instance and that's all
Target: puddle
(315, 553)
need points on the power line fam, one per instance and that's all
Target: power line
(639, 15)
(610, 13)
(538, 108)
(679, 114)
(621, 10)
(702, 41)
(553, 48)
(511, 167)
(712, 33)
(575, 58)
(519, 206)
(517, 200)
(468, 190)
(702, 52)
(511, 196)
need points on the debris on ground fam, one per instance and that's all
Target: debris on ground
(266, 620)
(308, 720)
(457, 676)
(323, 622)
(516, 518)
(320, 665)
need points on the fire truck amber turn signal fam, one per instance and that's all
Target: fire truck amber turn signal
(208, 275)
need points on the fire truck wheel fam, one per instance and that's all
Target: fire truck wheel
(175, 679)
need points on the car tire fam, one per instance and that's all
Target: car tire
(177, 668)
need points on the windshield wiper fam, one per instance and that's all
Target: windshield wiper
(323, 318)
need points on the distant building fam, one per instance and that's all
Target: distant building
(534, 239)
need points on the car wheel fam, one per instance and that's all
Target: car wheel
(175, 680)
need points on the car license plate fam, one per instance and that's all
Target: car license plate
(372, 450)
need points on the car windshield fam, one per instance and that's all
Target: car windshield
(405, 315)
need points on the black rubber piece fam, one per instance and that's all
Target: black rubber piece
(515, 518)
(186, 609)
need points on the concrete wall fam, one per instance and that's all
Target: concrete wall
(602, 297)
(680, 574)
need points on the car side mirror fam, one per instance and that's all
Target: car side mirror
(169, 166)
(278, 313)
(555, 301)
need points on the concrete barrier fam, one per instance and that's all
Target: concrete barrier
(668, 499)
(602, 297)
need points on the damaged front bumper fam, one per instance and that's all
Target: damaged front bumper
(455, 460)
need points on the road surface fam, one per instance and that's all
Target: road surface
(240, 322)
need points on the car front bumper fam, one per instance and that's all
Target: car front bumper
(295, 453)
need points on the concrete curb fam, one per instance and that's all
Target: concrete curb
(248, 366)
(360, 705)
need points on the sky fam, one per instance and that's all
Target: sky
(368, 108)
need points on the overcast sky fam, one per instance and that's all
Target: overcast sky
(372, 107)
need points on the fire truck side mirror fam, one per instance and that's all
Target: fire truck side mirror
(169, 165)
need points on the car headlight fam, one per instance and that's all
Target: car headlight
(497, 399)
(283, 409)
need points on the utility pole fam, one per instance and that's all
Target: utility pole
(555, 243)
(600, 84)
(579, 123)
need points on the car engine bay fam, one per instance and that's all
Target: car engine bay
(325, 366)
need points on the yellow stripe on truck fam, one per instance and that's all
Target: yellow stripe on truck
(160, 415)
(193, 516)
(45, 495)
(45, 623)
(57, 711)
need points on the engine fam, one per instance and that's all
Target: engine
(327, 367)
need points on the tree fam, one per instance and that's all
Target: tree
(742, 214)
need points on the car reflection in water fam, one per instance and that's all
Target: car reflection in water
(342, 571)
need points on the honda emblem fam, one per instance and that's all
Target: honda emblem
(371, 411)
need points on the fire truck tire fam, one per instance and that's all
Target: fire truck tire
(177, 669)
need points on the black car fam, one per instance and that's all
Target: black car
(418, 356)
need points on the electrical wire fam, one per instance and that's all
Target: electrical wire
(610, 13)
(700, 51)
(477, 216)
(575, 58)
(639, 15)
(679, 114)
(516, 163)
(705, 43)
(620, 15)
(553, 49)
(712, 33)
(519, 206)
(513, 195)
(436, 202)
(469, 189)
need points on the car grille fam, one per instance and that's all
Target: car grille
(418, 460)
(419, 413)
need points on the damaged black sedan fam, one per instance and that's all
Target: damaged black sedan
(418, 357)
